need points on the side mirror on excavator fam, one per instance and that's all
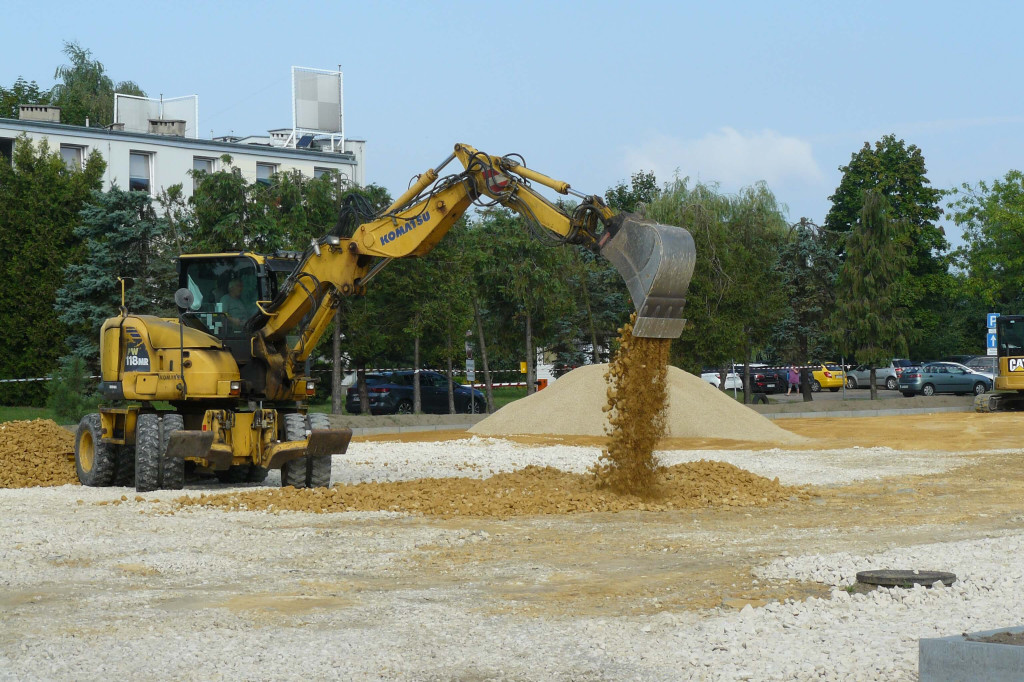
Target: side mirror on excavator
(183, 298)
(656, 261)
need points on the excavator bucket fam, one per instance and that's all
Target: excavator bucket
(656, 261)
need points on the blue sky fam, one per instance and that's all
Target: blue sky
(587, 92)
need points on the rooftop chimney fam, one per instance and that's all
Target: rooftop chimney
(39, 112)
(160, 126)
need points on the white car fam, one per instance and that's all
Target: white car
(974, 370)
(732, 380)
(985, 364)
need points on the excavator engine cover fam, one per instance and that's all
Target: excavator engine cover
(656, 261)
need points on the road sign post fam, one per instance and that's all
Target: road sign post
(991, 340)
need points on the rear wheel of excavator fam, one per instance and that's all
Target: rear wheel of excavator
(154, 470)
(306, 471)
(95, 462)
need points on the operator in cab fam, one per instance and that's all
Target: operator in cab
(232, 305)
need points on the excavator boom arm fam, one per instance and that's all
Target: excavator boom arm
(656, 261)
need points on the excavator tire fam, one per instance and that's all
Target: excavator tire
(293, 473)
(306, 472)
(319, 466)
(154, 470)
(174, 469)
(95, 462)
(125, 476)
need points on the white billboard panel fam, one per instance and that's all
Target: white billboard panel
(135, 112)
(317, 101)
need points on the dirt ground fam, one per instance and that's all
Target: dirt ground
(639, 562)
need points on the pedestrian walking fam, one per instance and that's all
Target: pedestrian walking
(793, 379)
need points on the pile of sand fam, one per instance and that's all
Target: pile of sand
(572, 406)
(529, 491)
(36, 453)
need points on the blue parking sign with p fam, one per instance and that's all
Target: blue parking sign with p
(990, 320)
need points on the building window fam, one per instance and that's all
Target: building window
(320, 172)
(72, 156)
(140, 171)
(7, 148)
(264, 171)
(200, 164)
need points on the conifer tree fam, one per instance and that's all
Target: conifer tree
(40, 198)
(871, 317)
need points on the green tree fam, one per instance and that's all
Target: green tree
(124, 238)
(231, 213)
(871, 317)
(523, 276)
(735, 297)
(642, 190)
(40, 198)
(22, 92)
(223, 216)
(448, 310)
(85, 91)
(72, 391)
(808, 265)
(991, 215)
(898, 172)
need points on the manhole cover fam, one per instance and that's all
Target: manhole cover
(905, 578)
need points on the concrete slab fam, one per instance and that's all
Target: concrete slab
(957, 658)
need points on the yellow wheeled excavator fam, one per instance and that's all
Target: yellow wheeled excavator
(231, 365)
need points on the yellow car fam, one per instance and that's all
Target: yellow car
(828, 376)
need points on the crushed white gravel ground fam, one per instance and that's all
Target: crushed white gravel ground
(131, 591)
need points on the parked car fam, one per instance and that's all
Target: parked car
(887, 375)
(830, 376)
(763, 379)
(768, 381)
(943, 377)
(984, 364)
(392, 393)
(713, 377)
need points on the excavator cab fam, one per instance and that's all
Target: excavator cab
(225, 289)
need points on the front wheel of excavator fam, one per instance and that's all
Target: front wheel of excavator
(154, 470)
(307, 471)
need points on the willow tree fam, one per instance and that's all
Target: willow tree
(735, 296)
(85, 92)
(872, 318)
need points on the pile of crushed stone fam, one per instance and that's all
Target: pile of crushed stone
(530, 491)
(36, 453)
(572, 406)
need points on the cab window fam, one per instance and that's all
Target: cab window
(224, 291)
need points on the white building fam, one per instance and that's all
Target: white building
(164, 156)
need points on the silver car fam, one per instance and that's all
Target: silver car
(885, 375)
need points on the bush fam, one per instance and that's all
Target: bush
(72, 393)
